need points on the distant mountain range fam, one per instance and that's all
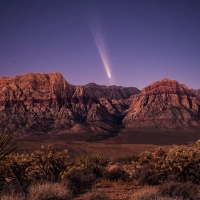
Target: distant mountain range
(46, 103)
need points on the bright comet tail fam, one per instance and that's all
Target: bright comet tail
(102, 51)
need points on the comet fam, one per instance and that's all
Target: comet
(102, 52)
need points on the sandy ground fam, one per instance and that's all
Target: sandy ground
(125, 143)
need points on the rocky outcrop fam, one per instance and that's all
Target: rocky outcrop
(196, 93)
(164, 104)
(46, 103)
(37, 103)
(112, 92)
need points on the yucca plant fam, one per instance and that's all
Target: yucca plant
(7, 145)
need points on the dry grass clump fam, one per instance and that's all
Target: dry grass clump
(145, 194)
(13, 196)
(150, 193)
(49, 191)
(98, 196)
(168, 191)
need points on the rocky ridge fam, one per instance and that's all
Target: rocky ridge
(47, 103)
(37, 103)
(165, 104)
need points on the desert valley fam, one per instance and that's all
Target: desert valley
(99, 100)
(120, 133)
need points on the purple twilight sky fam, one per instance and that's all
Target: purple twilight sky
(121, 42)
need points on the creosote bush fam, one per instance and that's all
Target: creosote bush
(80, 180)
(182, 190)
(93, 162)
(116, 173)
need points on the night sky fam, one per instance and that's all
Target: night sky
(121, 42)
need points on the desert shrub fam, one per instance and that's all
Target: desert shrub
(148, 174)
(146, 171)
(80, 180)
(19, 169)
(126, 160)
(93, 162)
(182, 190)
(98, 196)
(116, 173)
(183, 163)
(145, 157)
(50, 164)
(3, 175)
(49, 191)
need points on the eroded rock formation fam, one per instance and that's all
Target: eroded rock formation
(165, 104)
(46, 103)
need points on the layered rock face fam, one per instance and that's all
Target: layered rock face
(111, 92)
(40, 103)
(164, 104)
(34, 101)
(46, 103)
